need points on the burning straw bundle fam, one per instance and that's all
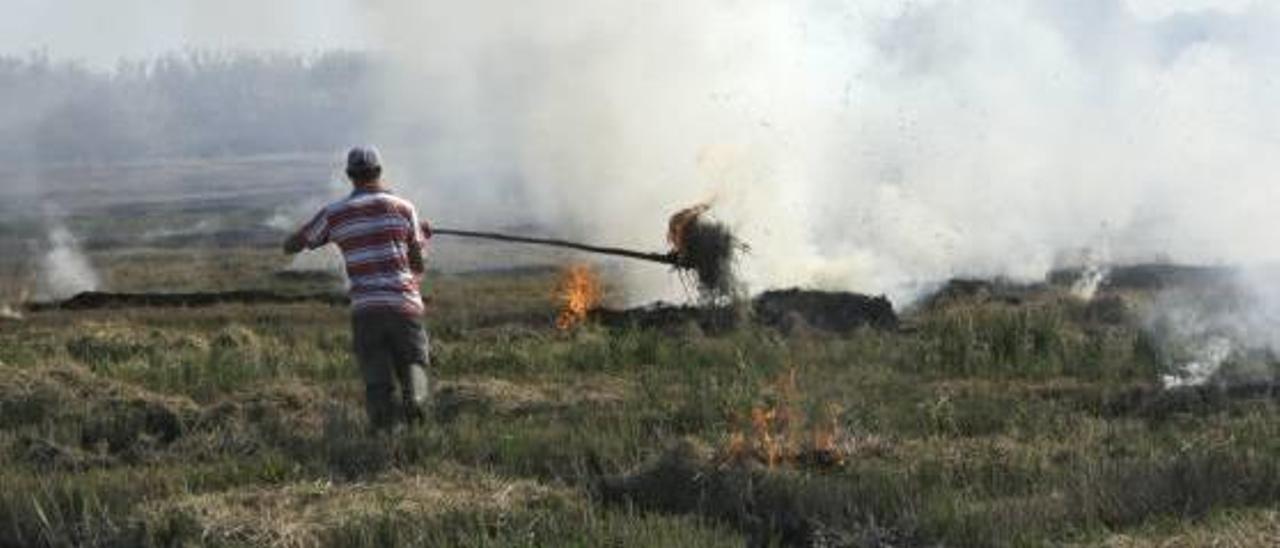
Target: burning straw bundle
(707, 249)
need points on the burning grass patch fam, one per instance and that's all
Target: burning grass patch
(769, 507)
(782, 432)
(579, 290)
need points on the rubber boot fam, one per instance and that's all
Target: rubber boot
(416, 391)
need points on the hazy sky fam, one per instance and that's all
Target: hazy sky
(100, 32)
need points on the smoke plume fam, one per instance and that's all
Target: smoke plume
(1224, 333)
(64, 269)
(855, 145)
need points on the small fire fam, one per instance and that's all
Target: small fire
(579, 291)
(781, 434)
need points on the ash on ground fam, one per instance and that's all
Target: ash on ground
(97, 300)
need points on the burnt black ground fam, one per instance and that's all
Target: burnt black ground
(786, 310)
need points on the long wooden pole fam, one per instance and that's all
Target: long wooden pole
(664, 258)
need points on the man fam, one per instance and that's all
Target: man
(383, 245)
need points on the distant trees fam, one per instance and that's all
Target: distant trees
(191, 104)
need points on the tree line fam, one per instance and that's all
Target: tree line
(193, 104)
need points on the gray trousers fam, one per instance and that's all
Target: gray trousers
(393, 351)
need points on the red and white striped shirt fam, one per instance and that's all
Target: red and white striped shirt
(375, 231)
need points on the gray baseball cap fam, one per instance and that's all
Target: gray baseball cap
(364, 160)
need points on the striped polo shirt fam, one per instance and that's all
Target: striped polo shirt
(375, 231)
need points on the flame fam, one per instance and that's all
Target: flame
(767, 446)
(680, 223)
(578, 291)
(826, 447)
(780, 434)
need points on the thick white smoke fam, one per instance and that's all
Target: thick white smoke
(1226, 332)
(862, 145)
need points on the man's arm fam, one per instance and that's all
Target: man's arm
(311, 235)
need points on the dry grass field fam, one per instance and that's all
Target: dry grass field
(982, 420)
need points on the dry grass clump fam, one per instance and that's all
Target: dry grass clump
(108, 412)
(1260, 527)
(286, 413)
(114, 342)
(100, 419)
(49, 455)
(489, 394)
(297, 405)
(236, 337)
(500, 396)
(304, 514)
(772, 507)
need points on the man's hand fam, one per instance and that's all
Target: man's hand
(426, 228)
(294, 243)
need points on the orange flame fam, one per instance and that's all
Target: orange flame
(680, 223)
(578, 291)
(826, 445)
(776, 434)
